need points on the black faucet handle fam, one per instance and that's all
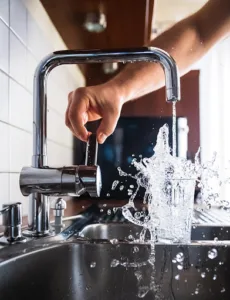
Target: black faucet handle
(91, 150)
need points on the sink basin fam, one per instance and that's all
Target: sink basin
(82, 269)
(98, 259)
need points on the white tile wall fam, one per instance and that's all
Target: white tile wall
(4, 94)
(20, 104)
(4, 148)
(4, 49)
(17, 59)
(18, 19)
(23, 44)
(4, 11)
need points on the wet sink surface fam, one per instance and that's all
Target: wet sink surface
(127, 231)
(81, 270)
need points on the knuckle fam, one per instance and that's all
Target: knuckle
(67, 122)
(80, 92)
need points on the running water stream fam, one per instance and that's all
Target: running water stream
(174, 128)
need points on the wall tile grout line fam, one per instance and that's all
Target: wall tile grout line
(27, 43)
(1, 19)
(22, 86)
(30, 132)
(49, 107)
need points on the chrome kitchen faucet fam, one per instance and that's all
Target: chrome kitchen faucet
(41, 181)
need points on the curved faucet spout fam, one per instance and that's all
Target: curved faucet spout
(38, 213)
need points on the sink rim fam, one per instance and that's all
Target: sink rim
(43, 244)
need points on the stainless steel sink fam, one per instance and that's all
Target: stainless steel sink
(96, 258)
(93, 268)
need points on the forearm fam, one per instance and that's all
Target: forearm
(186, 42)
(140, 78)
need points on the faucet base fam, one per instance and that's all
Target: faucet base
(4, 240)
(34, 233)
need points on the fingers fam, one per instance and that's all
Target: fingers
(76, 116)
(108, 124)
(84, 106)
(67, 121)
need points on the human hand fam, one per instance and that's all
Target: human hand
(93, 103)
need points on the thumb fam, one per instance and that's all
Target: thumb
(107, 126)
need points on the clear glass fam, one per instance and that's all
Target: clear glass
(175, 212)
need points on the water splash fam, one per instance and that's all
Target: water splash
(164, 178)
(169, 183)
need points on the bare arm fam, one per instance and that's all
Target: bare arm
(187, 42)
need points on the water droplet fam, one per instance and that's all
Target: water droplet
(101, 210)
(177, 277)
(131, 186)
(203, 274)
(130, 237)
(121, 187)
(93, 264)
(114, 241)
(212, 253)
(114, 185)
(138, 275)
(208, 206)
(174, 261)
(135, 249)
(130, 192)
(104, 205)
(114, 263)
(109, 212)
(179, 267)
(214, 277)
(221, 263)
(196, 291)
(223, 290)
(180, 257)
(137, 215)
(216, 239)
(108, 194)
(143, 290)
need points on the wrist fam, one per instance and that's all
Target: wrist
(121, 88)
